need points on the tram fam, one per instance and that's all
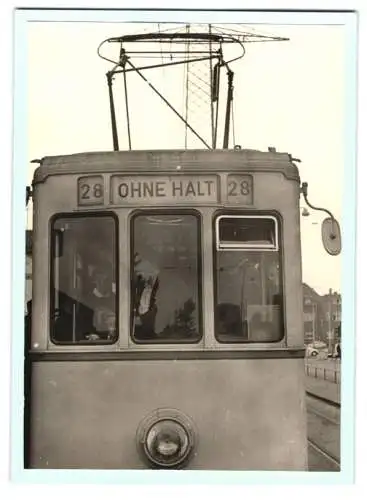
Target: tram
(166, 323)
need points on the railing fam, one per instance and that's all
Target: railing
(320, 372)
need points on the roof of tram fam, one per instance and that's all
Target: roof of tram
(158, 161)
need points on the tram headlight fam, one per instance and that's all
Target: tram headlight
(166, 439)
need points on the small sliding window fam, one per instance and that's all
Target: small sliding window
(247, 232)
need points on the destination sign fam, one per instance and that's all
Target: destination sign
(164, 190)
(233, 189)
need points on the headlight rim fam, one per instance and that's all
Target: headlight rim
(176, 417)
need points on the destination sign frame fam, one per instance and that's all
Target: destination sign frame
(165, 190)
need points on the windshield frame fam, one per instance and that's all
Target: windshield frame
(167, 211)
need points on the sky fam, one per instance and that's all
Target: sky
(289, 95)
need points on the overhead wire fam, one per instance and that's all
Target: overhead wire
(185, 34)
(187, 89)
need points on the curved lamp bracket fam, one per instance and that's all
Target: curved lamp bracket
(330, 230)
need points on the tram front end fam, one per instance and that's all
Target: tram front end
(167, 327)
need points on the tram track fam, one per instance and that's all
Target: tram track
(329, 402)
(323, 421)
(331, 463)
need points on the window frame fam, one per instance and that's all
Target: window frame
(246, 246)
(82, 215)
(167, 211)
(230, 213)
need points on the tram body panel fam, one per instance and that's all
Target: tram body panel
(248, 414)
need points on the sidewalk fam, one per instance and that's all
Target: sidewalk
(323, 388)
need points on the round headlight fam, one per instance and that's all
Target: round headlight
(166, 439)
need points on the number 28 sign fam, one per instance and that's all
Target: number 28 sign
(240, 189)
(91, 190)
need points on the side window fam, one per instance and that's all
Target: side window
(248, 295)
(165, 278)
(83, 280)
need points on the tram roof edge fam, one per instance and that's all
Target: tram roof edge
(167, 160)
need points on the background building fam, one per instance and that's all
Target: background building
(332, 305)
(312, 315)
(321, 317)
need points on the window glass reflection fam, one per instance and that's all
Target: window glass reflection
(83, 289)
(249, 299)
(165, 281)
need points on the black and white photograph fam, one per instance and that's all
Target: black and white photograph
(183, 202)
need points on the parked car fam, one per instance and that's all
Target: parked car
(318, 344)
(311, 351)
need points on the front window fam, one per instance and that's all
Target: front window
(249, 299)
(165, 278)
(83, 280)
